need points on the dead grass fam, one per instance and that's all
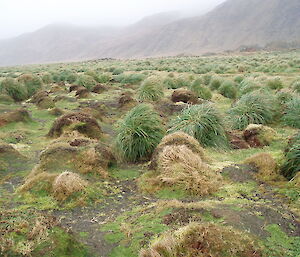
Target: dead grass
(66, 184)
(35, 177)
(177, 139)
(178, 166)
(202, 240)
(266, 165)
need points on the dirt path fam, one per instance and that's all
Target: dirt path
(87, 221)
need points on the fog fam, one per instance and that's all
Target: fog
(21, 16)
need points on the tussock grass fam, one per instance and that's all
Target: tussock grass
(151, 90)
(204, 123)
(202, 240)
(291, 165)
(228, 89)
(139, 133)
(292, 113)
(177, 139)
(66, 184)
(200, 90)
(253, 108)
(179, 166)
(266, 165)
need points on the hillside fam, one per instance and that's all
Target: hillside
(228, 26)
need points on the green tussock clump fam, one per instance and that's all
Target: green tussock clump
(253, 108)
(228, 89)
(204, 123)
(139, 133)
(200, 90)
(215, 83)
(291, 165)
(150, 90)
(86, 81)
(296, 86)
(247, 86)
(32, 83)
(275, 84)
(292, 113)
(17, 91)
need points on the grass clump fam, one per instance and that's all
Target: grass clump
(202, 239)
(204, 123)
(228, 89)
(291, 165)
(139, 133)
(296, 86)
(32, 83)
(150, 90)
(66, 184)
(14, 89)
(201, 91)
(179, 166)
(86, 81)
(253, 108)
(177, 139)
(247, 86)
(265, 163)
(292, 113)
(275, 84)
(215, 83)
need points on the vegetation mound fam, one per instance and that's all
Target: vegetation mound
(139, 133)
(202, 240)
(151, 90)
(177, 139)
(39, 96)
(291, 165)
(253, 108)
(265, 163)
(179, 166)
(45, 103)
(66, 184)
(82, 92)
(19, 115)
(292, 113)
(204, 123)
(99, 88)
(185, 96)
(83, 157)
(200, 90)
(259, 135)
(81, 122)
(10, 158)
(228, 89)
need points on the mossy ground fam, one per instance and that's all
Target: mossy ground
(115, 216)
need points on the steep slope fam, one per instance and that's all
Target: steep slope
(228, 26)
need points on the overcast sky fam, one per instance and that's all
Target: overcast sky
(20, 16)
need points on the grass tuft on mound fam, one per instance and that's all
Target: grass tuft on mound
(139, 133)
(204, 123)
(253, 108)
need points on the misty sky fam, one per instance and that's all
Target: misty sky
(19, 16)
